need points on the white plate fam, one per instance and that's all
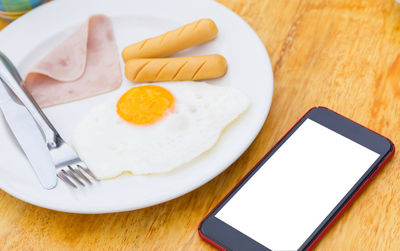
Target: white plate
(249, 69)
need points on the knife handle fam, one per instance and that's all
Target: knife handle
(10, 77)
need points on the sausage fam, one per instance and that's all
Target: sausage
(166, 44)
(175, 69)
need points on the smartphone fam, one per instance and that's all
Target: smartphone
(300, 187)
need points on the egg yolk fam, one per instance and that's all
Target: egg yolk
(145, 105)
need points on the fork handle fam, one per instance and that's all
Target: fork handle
(9, 76)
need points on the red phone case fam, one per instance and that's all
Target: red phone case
(337, 216)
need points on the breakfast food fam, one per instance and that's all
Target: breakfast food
(173, 41)
(173, 69)
(143, 62)
(155, 128)
(84, 65)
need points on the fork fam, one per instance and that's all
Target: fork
(67, 162)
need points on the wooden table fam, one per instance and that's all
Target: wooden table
(341, 54)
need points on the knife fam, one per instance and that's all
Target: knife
(29, 137)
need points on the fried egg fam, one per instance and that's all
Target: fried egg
(155, 128)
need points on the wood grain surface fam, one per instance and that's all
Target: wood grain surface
(344, 55)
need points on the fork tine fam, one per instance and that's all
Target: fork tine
(80, 174)
(73, 176)
(87, 170)
(64, 178)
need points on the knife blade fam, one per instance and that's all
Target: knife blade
(29, 137)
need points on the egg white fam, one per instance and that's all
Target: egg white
(110, 146)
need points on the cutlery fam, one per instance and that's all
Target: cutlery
(29, 138)
(67, 162)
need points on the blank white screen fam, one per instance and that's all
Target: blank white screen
(296, 189)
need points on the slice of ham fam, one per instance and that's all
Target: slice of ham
(84, 65)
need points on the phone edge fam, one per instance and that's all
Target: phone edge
(313, 244)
